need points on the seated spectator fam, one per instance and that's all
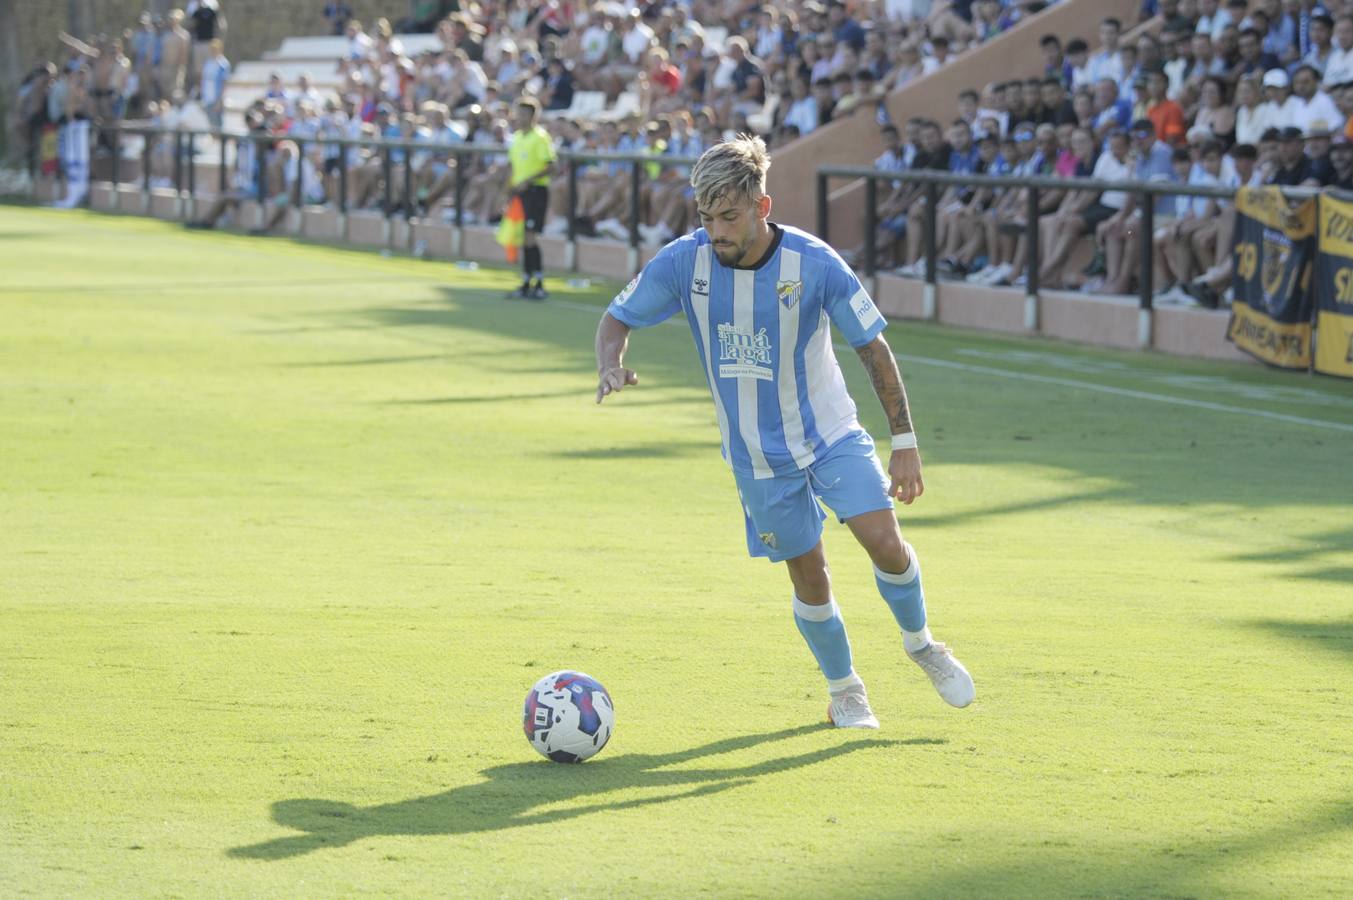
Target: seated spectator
(1341, 164)
(1172, 243)
(1280, 110)
(1293, 165)
(1252, 56)
(1117, 237)
(1082, 212)
(1311, 106)
(1339, 68)
(1167, 116)
(1213, 113)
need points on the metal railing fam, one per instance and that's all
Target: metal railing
(185, 167)
(933, 181)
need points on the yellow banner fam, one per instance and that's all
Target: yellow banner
(1336, 227)
(1266, 206)
(1334, 344)
(1276, 343)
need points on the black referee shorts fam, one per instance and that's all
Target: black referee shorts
(535, 201)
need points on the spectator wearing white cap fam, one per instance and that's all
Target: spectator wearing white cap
(1278, 98)
(1310, 105)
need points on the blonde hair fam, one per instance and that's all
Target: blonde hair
(734, 169)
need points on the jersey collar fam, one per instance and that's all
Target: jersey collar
(776, 233)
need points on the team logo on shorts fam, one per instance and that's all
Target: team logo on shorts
(768, 538)
(789, 292)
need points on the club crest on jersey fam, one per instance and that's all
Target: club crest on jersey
(747, 354)
(789, 292)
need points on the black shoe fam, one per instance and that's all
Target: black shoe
(538, 292)
(584, 226)
(521, 293)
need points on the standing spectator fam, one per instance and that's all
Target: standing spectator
(1108, 62)
(205, 24)
(176, 52)
(215, 73)
(145, 42)
(359, 42)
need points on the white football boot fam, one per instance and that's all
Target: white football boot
(946, 673)
(850, 709)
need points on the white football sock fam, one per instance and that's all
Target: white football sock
(915, 641)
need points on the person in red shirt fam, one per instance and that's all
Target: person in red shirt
(662, 73)
(1164, 113)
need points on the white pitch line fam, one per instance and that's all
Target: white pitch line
(1129, 392)
(1078, 385)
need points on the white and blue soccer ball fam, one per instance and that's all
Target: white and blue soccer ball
(568, 717)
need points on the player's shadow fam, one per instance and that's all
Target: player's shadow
(511, 793)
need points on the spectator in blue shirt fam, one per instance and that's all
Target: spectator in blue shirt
(1152, 160)
(845, 29)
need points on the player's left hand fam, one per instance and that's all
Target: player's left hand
(904, 468)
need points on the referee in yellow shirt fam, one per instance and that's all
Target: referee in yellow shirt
(531, 154)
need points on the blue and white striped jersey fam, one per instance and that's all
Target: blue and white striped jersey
(763, 337)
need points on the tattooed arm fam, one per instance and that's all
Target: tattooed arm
(904, 466)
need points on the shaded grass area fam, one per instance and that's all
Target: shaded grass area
(286, 533)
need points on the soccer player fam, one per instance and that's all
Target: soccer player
(758, 298)
(531, 156)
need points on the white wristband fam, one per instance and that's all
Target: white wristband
(904, 441)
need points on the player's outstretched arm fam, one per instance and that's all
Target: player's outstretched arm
(613, 337)
(904, 466)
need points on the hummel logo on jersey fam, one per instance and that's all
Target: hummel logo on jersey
(789, 292)
(700, 286)
(750, 353)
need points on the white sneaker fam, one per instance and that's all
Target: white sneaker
(850, 709)
(946, 673)
(981, 275)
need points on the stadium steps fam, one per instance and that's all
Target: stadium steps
(854, 140)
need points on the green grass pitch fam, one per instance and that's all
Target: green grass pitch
(287, 531)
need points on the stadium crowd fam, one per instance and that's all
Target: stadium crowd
(671, 77)
(1207, 92)
(1210, 94)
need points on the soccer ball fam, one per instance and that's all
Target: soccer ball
(568, 717)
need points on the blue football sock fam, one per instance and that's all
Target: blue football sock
(825, 631)
(906, 599)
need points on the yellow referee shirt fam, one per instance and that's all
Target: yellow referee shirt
(530, 152)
